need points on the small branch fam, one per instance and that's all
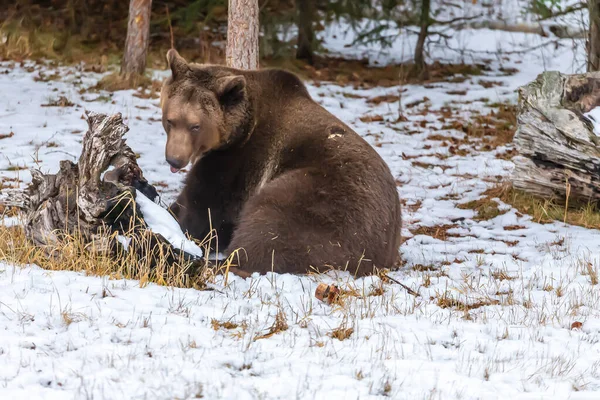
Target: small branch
(522, 51)
(453, 20)
(568, 10)
(409, 290)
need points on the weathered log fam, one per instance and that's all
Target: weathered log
(560, 31)
(16, 198)
(559, 153)
(94, 199)
(76, 201)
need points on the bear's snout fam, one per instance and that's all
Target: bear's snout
(175, 164)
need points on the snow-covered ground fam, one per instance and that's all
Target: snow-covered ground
(66, 335)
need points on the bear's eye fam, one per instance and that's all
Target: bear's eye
(195, 128)
(169, 123)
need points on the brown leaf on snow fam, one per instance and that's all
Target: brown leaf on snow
(388, 98)
(371, 118)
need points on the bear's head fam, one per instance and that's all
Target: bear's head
(204, 108)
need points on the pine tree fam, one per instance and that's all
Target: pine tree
(242, 34)
(136, 44)
(304, 20)
(425, 22)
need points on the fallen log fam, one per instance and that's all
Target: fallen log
(94, 201)
(559, 152)
(560, 31)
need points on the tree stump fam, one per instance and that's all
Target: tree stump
(559, 153)
(94, 199)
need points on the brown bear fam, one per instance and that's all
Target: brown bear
(277, 176)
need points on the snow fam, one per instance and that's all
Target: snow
(594, 116)
(160, 221)
(67, 335)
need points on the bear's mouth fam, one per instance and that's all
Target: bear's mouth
(175, 170)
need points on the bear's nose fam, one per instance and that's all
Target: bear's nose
(175, 163)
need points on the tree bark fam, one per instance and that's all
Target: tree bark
(242, 34)
(304, 22)
(593, 43)
(78, 200)
(136, 44)
(420, 64)
(559, 153)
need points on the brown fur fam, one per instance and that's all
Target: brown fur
(275, 174)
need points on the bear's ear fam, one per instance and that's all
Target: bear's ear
(177, 63)
(230, 89)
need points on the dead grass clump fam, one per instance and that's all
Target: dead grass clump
(447, 301)
(457, 92)
(424, 268)
(342, 332)
(73, 253)
(279, 325)
(388, 98)
(494, 129)
(591, 272)
(437, 232)
(513, 227)
(15, 168)
(546, 211)
(377, 290)
(441, 138)
(61, 101)
(7, 211)
(486, 208)
(216, 324)
(423, 165)
(502, 275)
(116, 81)
(371, 118)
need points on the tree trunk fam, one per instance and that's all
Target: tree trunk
(559, 153)
(304, 22)
(136, 44)
(593, 44)
(242, 34)
(420, 65)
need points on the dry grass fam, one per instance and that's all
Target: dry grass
(115, 81)
(23, 42)
(445, 300)
(485, 207)
(279, 325)
(547, 210)
(342, 332)
(216, 325)
(491, 130)
(592, 272)
(72, 253)
(439, 232)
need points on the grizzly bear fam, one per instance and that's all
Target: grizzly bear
(274, 174)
